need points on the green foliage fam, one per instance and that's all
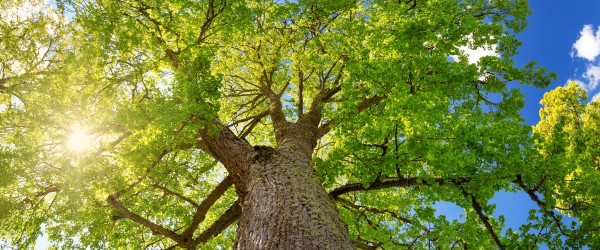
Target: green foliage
(567, 138)
(144, 78)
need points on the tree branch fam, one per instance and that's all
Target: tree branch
(366, 103)
(118, 194)
(224, 221)
(250, 126)
(401, 182)
(374, 210)
(206, 204)
(252, 117)
(235, 154)
(534, 197)
(3, 81)
(300, 93)
(484, 219)
(178, 195)
(210, 16)
(313, 117)
(125, 213)
(361, 245)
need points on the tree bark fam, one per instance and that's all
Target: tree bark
(285, 206)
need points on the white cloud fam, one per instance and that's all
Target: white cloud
(596, 97)
(588, 44)
(476, 54)
(473, 55)
(592, 75)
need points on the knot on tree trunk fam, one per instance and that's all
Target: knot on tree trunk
(262, 153)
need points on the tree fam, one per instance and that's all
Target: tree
(568, 140)
(275, 124)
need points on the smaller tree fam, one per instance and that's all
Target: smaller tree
(568, 164)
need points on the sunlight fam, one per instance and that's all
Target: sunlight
(79, 140)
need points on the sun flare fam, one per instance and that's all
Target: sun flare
(79, 140)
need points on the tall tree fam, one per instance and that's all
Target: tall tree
(306, 124)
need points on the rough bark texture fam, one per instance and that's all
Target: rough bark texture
(286, 207)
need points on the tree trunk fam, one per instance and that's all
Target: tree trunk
(285, 206)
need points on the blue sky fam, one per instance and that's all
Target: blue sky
(555, 27)
(564, 37)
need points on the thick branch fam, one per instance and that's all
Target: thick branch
(364, 246)
(206, 204)
(324, 95)
(224, 221)
(313, 117)
(412, 7)
(401, 182)
(173, 57)
(4, 80)
(210, 16)
(234, 153)
(121, 138)
(265, 86)
(178, 195)
(125, 213)
(407, 182)
(118, 194)
(52, 189)
(255, 120)
(253, 117)
(484, 219)
(300, 93)
(275, 108)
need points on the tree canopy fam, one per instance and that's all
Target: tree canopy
(131, 123)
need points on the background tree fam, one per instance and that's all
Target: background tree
(309, 124)
(567, 138)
